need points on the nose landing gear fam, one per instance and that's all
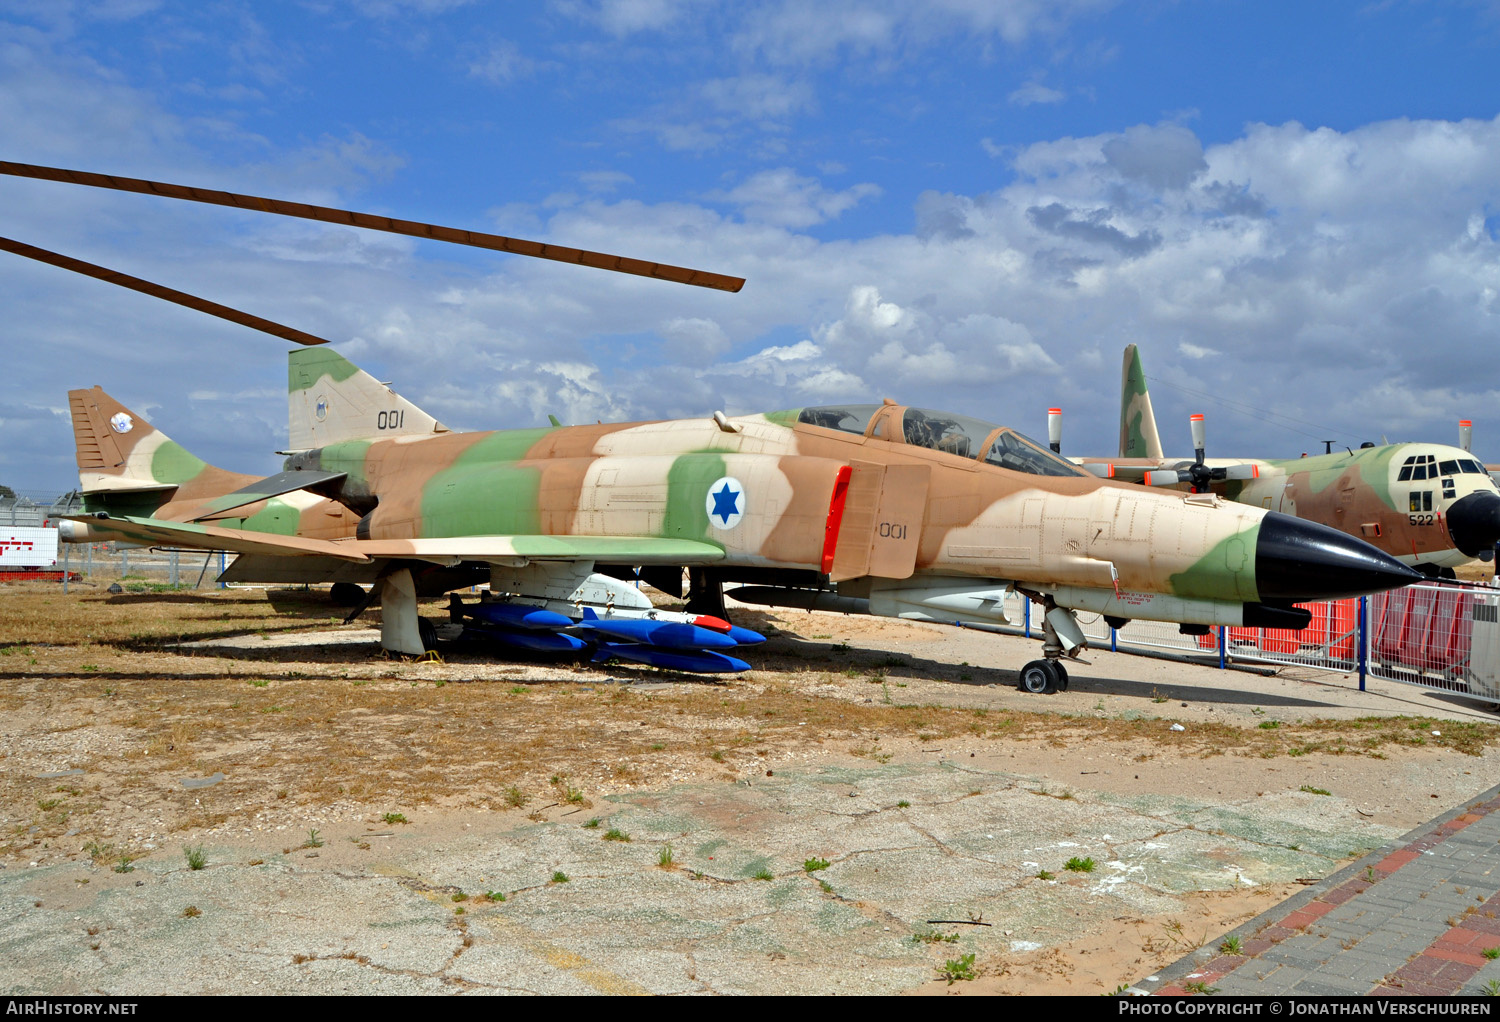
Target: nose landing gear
(1043, 677)
(1061, 637)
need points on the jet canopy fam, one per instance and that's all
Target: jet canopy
(959, 435)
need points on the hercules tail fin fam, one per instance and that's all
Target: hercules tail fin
(1138, 436)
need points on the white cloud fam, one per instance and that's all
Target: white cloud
(693, 340)
(1167, 156)
(786, 199)
(626, 17)
(602, 182)
(502, 63)
(395, 8)
(1035, 92)
(800, 368)
(752, 110)
(759, 96)
(786, 31)
(914, 346)
(677, 135)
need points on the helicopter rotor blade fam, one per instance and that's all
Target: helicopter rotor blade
(371, 221)
(146, 287)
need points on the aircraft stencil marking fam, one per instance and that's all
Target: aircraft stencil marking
(723, 502)
(121, 423)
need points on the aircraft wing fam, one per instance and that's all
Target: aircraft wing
(211, 537)
(1167, 472)
(1132, 470)
(449, 550)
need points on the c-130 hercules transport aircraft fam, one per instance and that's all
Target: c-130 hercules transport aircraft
(1431, 506)
(876, 508)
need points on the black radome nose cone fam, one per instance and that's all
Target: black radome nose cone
(1474, 522)
(1298, 561)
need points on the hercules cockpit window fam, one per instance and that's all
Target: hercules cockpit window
(1471, 467)
(847, 418)
(1021, 454)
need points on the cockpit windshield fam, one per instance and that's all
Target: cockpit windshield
(1022, 454)
(958, 435)
(847, 418)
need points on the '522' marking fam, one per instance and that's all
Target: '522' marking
(1421, 519)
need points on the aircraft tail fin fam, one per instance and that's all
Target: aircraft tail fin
(330, 400)
(128, 465)
(1138, 436)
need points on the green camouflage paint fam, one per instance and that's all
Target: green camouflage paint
(307, 366)
(173, 463)
(1226, 572)
(486, 492)
(688, 481)
(349, 457)
(1135, 411)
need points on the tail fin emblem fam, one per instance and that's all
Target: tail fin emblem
(121, 422)
(322, 410)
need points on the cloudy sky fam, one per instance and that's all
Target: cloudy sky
(1292, 208)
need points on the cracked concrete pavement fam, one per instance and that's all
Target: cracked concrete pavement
(915, 827)
(739, 911)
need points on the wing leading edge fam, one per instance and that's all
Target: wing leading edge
(607, 549)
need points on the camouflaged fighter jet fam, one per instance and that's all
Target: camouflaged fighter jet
(873, 508)
(1428, 505)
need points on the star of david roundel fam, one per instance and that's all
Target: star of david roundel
(120, 422)
(725, 503)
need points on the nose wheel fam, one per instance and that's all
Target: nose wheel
(1043, 677)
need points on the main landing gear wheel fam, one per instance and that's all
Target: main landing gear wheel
(1043, 677)
(428, 631)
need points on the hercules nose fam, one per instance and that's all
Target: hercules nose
(1474, 522)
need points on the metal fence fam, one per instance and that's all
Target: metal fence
(105, 563)
(33, 510)
(1439, 636)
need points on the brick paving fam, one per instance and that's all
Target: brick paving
(1413, 919)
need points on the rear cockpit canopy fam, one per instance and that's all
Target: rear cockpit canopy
(958, 435)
